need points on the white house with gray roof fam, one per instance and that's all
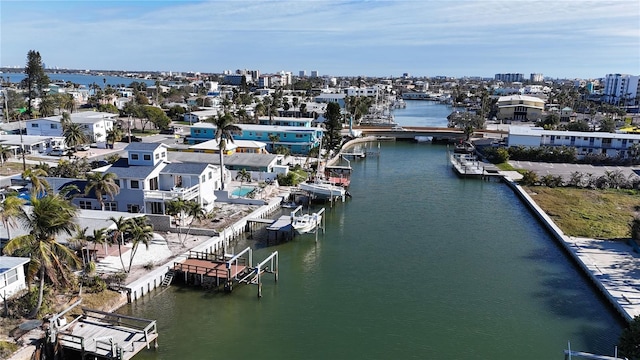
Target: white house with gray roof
(147, 180)
(95, 125)
(12, 275)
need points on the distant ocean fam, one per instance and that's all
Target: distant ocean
(80, 79)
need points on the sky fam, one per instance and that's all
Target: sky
(558, 38)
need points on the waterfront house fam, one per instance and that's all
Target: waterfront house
(326, 98)
(12, 275)
(520, 108)
(610, 144)
(30, 143)
(94, 124)
(261, 166)
(147, 180)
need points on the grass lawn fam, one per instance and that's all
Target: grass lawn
(601, 214)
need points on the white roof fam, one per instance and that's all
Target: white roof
(11, 262)
(538, 131)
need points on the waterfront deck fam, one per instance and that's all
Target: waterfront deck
(104, 335)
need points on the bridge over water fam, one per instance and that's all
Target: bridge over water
(438, 133)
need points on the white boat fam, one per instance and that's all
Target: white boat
(323, 190)
(303, 224)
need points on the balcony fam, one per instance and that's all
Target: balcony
(175, 193)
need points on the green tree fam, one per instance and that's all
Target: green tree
(629, 342)
(39, 185)
(74, 135)
(607, 125)
(243, 175)
(195, 212)
(10, 208)
(225, 129)
(156, 116)
(141, 232)
(36, 80)
(47, 105)
(122, 225)
(114, 135)
(274, 138)
(50, 261)
(102, 184)
(333, 125)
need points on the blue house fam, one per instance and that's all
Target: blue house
(298, 139)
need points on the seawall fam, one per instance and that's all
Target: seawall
(153, 279)
(598, 259)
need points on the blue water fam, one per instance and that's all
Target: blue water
(80, 79)
(418, 264)
(423, 113)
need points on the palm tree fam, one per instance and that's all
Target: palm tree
(141, 233)
(9, 210)
(65, 120)
(73, 135)
(274, 138)
(176, 209)
(196, 212)
(79, 242)
(225, 129)
(102, 184)
(51, 261)
(122, 226)
(114, 135)
(39, 186)
(47, 106)
(99, 237)
(5, 154)
(243, 175)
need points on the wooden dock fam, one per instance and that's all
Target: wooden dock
(99, 334)
(213, 270)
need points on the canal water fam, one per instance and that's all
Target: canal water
(418, 264)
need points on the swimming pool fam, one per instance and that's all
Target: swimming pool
(243, 191)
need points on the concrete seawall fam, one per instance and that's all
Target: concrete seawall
(152, 280)
(608, 264)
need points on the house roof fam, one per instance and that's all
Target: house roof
(185, 168)
(137, 146)
(236, 160)
(122, 169)
(11, 262)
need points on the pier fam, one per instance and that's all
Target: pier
(98, 334)
(211, 270)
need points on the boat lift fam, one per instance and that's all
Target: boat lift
(253, 276)
(319, 225)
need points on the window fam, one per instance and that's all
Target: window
(196, 131)
(156, 208)
(153, 184)
(111, 206)
(209, 175)
(84, 204)
(54, 126)
(164, 154)
(135, 184)
(146, 157)
(134, 156)
(10, 277)
(34, 125)
(117, 182)
(133, 208)
(157, 157)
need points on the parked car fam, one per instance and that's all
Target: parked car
(133, 139)
(58, 152)
(82, 147)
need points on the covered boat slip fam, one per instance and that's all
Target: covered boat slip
(98, 334)
(212, 270)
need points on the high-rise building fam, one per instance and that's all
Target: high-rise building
(314, 73)
(302, 73)
(509, 78)
(536, 77)
(621, 89)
